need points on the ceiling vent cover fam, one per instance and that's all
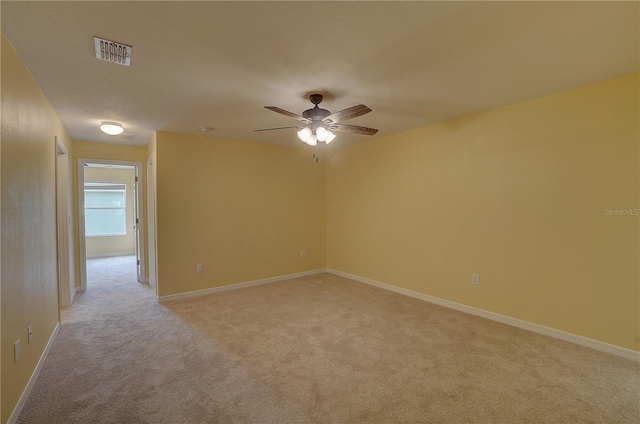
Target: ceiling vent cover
(113, 52)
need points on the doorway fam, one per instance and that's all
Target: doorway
(110, 223)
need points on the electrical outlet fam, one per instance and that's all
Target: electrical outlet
(16, 351)
(475, 279)
(199, 267)
(30, 333)
(303, 253)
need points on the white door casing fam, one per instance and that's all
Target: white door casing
(139, 226)
(62, 225)
(151, 222)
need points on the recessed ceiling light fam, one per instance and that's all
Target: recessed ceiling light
(111, 128)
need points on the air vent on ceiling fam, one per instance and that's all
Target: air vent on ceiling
(128, 136)
(113, 52)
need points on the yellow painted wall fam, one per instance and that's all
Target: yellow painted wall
(245, 210)
(114, 245)
(107, 151)
(28, 236)
(517, 194)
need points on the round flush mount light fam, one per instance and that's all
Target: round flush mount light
(111, 128)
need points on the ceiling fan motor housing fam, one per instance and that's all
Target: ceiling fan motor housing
(316, 114)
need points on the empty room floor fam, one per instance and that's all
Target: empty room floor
(318, 349)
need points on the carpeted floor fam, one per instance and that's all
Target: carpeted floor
(320, 349)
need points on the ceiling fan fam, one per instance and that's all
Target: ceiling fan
(320, 123)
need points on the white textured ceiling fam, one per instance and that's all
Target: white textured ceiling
(216, 64)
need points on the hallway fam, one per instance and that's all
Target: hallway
(112, 289)
(87, 373)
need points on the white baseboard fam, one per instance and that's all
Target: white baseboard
(76, 290)
(236, 286)
(536, 328)
(109, 254)
(34, 377)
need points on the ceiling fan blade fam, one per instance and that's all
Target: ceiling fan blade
(348, 113)
(271, 129)
(354, 129)
(287, 113)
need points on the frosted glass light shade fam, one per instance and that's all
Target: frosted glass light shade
(322, 133)
(305, 135)
(330, 137)
(111, 128)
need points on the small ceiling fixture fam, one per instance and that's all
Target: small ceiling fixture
(321, 122)
(111, 128)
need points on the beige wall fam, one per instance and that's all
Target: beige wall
(518, 195)
(245, 210)
(114, 245)
(107, 151)
(28, 236)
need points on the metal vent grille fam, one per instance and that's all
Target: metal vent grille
(113, 52)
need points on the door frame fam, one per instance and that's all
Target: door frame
(140, 241)
(151, 223)
(63, 257)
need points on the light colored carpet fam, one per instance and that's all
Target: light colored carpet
(320, 349)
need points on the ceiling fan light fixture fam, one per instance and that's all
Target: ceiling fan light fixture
(322, 133)
(111, 128)
(306, 135)
(330, 137)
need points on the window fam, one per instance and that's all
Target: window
(104, 209)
